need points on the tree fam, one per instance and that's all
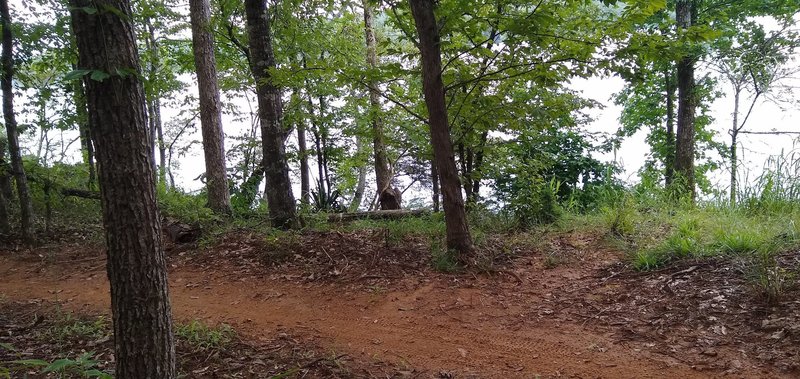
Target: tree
(143, 340)
(270, 113)
(685, 133)
(458, 236)
(383, 175)
(755, 62)
(210, 106)
(18, 170)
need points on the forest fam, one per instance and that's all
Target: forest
(399, 189)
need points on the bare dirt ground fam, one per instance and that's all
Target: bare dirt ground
(566, 309)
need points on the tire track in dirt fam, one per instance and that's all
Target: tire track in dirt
(413, 328)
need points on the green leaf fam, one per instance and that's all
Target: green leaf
(30, 362)
(76, 74)
(59, 365)
(7, 346)
(99, 76)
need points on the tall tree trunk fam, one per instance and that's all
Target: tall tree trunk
(210, 106)
(153, 100)
(361, 186)
(476, 178)
(305, 185)
(25, 205)
(143, 341)
(87, 148)
(669, 159)
(684, 144)
(733, 149)
(383, 175)
(435, 185)
(5, 172)
(270, 111)
(458, 236)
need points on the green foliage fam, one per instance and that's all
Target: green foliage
(70, 328)
(187, 208)
(83, 366)
(204, 337)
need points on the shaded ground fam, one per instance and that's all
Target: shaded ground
(566, 308)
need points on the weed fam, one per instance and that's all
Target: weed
(442, 259)
(205, 337)
(70, 328)
(767, 276)
(84, 366)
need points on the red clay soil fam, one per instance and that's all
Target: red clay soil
(581, 319)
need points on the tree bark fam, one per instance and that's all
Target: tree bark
(270, 111)
(458, 236)
(383, 175)
(435, 185)
(136, 265)
(302, 151)
(734, 137)
(210, 106)
(685, 136)
(669, 160)
(87, 148)
(5, 172)
(25, 204)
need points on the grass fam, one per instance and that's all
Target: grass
(71, 328)
(204, 337)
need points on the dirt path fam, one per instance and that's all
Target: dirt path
(436, 326)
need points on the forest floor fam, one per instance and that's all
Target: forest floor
(357, 304)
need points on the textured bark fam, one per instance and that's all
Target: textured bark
(435, 184)
(669, 159)
(305, 185)
(458, 236)
(685, 135)
(136, 265)
(87, 148)
(361, 185)
(210, 106)
(383, 174)
(734, 140)
(18, 170)
(270, 111)
(5, 172)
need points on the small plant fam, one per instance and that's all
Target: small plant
(768, 277)
(651, 259)
(205, 337)
(442, 259)
(71, 328)
(84, 366)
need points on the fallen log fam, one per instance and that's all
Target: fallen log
(391, 214)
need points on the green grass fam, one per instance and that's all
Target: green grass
(205, 337)
(71, 328)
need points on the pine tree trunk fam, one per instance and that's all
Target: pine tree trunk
(270, 111)
(669, 159)
(25, 205)
(383, 175)
(305, 185)
(210, 106)
(136, 265)
(435, 185)
(458, 236)
(87, 149)
(734, 140)
(684, 144)
(5, 172)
